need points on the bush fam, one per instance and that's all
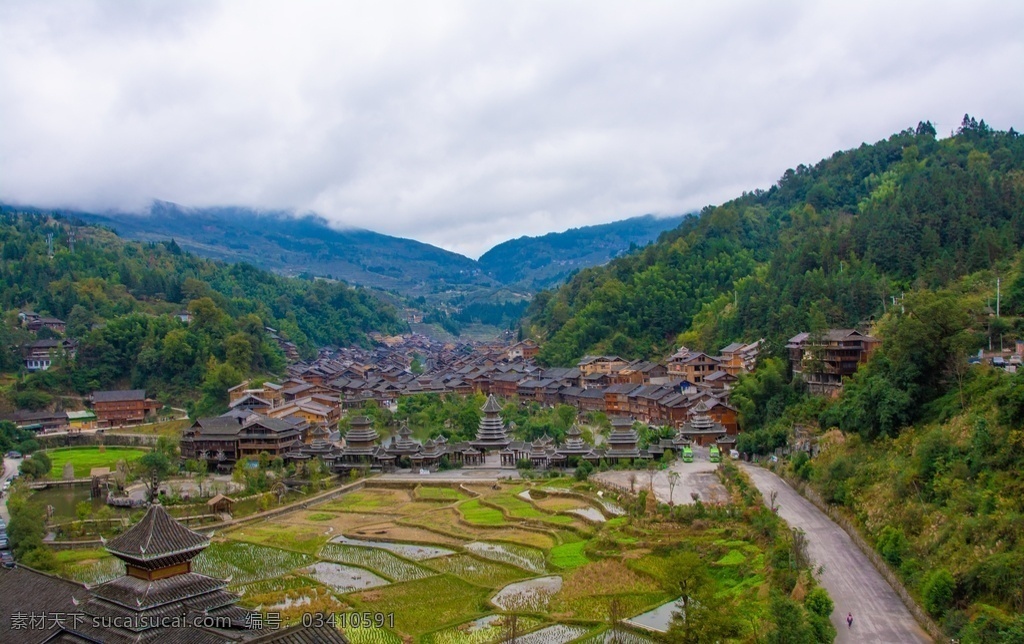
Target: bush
(583, 471)
(802, 466)
(892, 545)
(938, 591)
(819, 603)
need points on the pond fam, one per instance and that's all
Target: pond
(64, 499)
(531, 595)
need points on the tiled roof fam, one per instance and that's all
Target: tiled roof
(118, 396)
(157, 535)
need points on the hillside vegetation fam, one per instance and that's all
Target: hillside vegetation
(905, 238)
(831, 243)
(119, 300)
(542, 262)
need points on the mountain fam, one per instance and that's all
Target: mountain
(123, 301)
(830, 243)
(293, 245)
(534, 263)
(306, 244)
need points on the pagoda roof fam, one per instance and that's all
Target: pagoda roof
(156, 536)
(491, 406)
(141, 594)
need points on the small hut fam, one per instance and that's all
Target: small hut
(220, 504)
(100, 477)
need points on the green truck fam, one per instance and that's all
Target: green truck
(715, 454)
(687, 454)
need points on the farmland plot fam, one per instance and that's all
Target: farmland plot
(521, 556)
(412, 551)
(446, 494)
(616, 636)
(557, 634)
(425, 604)
(344, 579)
(242, 562)
(94, 572)
(380, 561)
(371, 635)
(529, 596)
(480, 631)
(478, 571)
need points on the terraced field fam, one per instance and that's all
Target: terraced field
(445, 564)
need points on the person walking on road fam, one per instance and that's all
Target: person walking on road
(849, 620)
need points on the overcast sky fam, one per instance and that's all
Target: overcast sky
(464, 124)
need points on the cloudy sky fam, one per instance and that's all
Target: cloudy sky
(463, 124)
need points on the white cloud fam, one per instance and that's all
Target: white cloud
(466, 123)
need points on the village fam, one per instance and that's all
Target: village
(298, 417)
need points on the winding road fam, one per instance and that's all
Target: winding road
(849, 577)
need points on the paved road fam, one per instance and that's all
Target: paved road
(852, 581)
(696, 478)
(10, 469)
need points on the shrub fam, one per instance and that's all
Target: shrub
(892, 545)
(819, 603)
(938, 591)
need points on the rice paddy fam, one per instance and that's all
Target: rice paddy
(445, 563)
(379, 561)
(520, 556)
(478, 571)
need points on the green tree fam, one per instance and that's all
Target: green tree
(153, 468)
(937, 591)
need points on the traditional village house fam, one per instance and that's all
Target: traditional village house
(39, 355)
(823, 361)
(127, 407)
(691, 366)
(525, 350)
(600, 364)
(39, 421)
(616, 398)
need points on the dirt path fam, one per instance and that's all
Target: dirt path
(851, 580)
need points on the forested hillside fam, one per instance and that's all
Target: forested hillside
(534, 263)
(830, 243)
(905, 238)
(119, 300)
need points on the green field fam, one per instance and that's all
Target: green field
(473, 512)
(569, 555)
(86, 458)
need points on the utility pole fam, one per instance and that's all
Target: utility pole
(997, 297)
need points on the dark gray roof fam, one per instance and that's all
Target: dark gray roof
(27, 591)
(156, 536)
(118, 396)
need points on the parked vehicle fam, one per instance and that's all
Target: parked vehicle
(715, 454)
(687, 454)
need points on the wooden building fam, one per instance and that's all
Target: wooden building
(123, 407)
